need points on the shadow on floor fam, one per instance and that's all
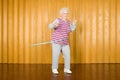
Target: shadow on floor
(43, 72)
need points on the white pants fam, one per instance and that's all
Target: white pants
(56, 49)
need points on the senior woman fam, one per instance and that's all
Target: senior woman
(62, 27)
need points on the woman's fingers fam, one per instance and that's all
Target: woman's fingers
(74, 20)
(56, 24)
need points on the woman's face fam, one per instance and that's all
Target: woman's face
(65, 15)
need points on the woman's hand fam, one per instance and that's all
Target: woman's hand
(74, 20)
(56, 23)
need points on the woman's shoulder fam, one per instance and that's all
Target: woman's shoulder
(58, 18)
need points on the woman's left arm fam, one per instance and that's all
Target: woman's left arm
(73, 25)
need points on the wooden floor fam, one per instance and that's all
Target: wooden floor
(43, 72)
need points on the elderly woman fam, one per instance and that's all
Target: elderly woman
(62, 27)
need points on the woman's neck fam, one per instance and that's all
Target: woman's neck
(64, 19)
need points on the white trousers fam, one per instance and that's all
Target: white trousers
(56, 49)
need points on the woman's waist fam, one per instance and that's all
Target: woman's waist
(61, 42)
(59, 39)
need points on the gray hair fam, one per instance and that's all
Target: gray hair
(64, 10)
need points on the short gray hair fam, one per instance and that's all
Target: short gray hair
(64, 10)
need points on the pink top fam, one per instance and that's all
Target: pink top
(61, 33)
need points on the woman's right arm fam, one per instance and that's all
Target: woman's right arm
(54, 24)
